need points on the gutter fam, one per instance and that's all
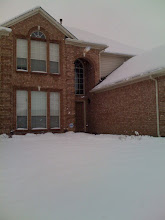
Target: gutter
(135, 79)
(118, 54)
(81, 43)
(157, 105)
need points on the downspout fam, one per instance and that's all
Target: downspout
(157, 105)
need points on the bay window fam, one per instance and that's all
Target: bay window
(21, 109)
(22, 54)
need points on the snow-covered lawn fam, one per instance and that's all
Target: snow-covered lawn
(82, 177)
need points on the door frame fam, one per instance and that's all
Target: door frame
(84, 103)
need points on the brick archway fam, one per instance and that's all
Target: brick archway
(84, 78)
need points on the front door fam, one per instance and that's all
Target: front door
(80, 119)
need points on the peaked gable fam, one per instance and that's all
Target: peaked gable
(34, 11)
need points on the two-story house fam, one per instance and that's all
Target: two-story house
(47, 73)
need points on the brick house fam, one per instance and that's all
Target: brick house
(47, 76)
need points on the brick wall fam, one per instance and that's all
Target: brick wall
(6, 92)
(161, 86)
(125, 110)
(119, 111)
(11, 80)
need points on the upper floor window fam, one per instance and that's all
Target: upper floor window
(79, 77)
(54, 58)
(39, 59)
(22, 54)
(38, 56)
(38, 34)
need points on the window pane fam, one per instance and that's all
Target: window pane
(53, 67)
(38, 65)
(38, 56)
(54, 110)
(21, 108)
(38, 34)
(54, 58)
(54, 52)
(54, 122)
(22, 54)
(21, 64)
(38, 109)
(79, 77)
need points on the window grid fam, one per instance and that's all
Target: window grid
(79, 78)
(38, 34)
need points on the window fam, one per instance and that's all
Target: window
(38, 56)
(21, 108)
(54, 110)
(38, 34)
(22, 54)
(54, 58)
(79, 77)
(38, 109)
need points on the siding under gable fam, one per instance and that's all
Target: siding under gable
(108, 63)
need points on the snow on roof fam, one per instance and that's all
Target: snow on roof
(33, 11)
(138, 66)
(5, 29)
(114, 46)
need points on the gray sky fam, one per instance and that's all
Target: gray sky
(138, 23)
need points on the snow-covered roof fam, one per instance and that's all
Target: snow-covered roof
(5, 29)
(75, 33)
(145, 64)
(114, 46)
(34, 11)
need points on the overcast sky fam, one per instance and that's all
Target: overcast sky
(138, 23)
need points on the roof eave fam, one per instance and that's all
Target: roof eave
(118, 54)
(158, 73)
(80, 43)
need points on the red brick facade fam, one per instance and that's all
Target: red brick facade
(129, 109)
(12, 80)
(119, 111)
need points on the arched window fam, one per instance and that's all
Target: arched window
(38, 34)
(34, 52)
(79, 77)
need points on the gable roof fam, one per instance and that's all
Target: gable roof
(114, 47)
(34, 11)
(137, 68)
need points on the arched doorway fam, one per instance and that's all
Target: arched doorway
(84, 82)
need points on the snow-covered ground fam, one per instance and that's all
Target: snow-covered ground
(82, 177)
